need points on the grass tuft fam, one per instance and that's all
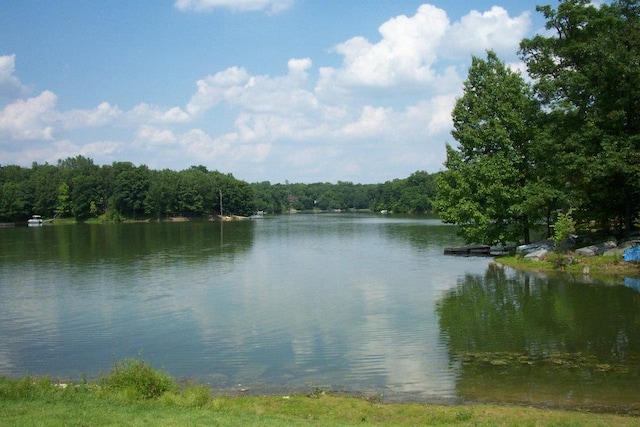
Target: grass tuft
(137, 379)
(135, 393)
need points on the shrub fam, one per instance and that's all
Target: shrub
(556, 259)
(563, 228)
(138, 379)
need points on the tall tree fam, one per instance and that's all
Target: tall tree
(130, 188)
(485, 187)
(587, 74)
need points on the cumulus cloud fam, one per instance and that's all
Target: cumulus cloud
(37, 118)
(213, 89)
(493, 29)
(10, 86)
(102, 115)
(372, 121)
(259, 93)
(145, 113)
(269, 6)
(414, 51)
(388, 102)
(28, 119)
(51, 153)
(405, 54)
(226, 148)
(150, 136)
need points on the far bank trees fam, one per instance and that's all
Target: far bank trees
(78, 188)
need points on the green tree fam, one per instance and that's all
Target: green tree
(12, 205)
(63, 206)
(587, 74)
(483, 189)
(85, 183)
(44, 181)
(130, 188)
(161, 198)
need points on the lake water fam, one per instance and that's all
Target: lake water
(353, 302)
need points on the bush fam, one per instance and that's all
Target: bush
(563, 228)
(557, 259)
(138, 379)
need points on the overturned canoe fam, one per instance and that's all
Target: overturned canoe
(469, 250)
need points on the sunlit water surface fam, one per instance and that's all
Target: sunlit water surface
(360, 303)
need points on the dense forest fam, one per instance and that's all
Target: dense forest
(568, 141)
(78, 188)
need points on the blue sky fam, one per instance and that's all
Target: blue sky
(268, 90)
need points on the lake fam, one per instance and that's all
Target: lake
(361, 303)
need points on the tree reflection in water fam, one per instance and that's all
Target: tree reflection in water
(526, 338)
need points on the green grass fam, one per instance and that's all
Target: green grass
(136, 394)
(609, 266)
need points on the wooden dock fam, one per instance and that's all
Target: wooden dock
(480, 250)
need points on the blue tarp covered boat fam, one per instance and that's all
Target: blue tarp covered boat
(632, 254)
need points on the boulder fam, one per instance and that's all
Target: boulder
(534, 247)
(537, 255)
(599, 249)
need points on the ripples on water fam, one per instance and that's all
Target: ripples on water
(350, 302)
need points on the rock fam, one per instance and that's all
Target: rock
(533, 247)
(537, 255)
(593, 250)
(619, 251)
(587, 251)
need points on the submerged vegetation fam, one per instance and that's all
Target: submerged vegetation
(129, 396)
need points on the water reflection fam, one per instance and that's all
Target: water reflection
(338, 301)
(123, 243)
(353, 302)
(529, 338)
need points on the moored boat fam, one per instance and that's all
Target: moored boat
(35, 221)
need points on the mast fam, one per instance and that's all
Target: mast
(220, 192)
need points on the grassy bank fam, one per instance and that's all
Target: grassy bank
(134, 393)
(603, 266)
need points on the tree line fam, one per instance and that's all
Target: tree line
(78, 188)
(567, 141)
(414, 194)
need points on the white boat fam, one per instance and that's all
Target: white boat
(35, 221)
(258, 215)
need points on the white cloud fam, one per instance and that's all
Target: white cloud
(299, 66)
(416, 51)
(493, 29)
(269, 6)
(105, 150)
(405, 53)
(213, 89)
(388, 103)
(433, 115)
(28, 119)
(227, 148)
(145, 113)
(102, 115)
(10, 86)
(372, 121)
(149, 136)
